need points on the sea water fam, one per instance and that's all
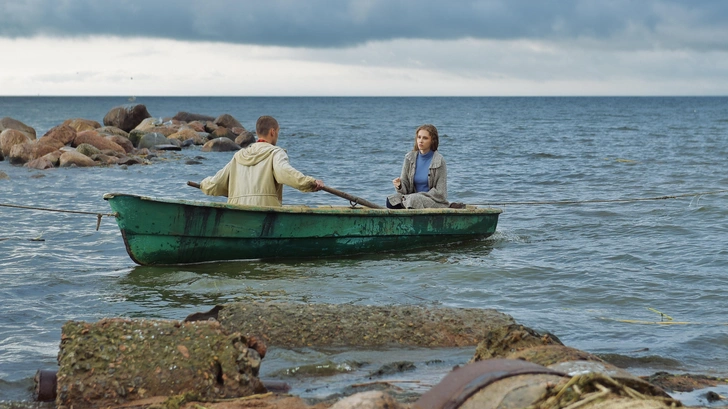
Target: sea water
(599, 269)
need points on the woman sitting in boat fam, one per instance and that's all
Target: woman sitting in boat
(423, 182)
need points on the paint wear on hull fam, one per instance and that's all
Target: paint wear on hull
(167, 231)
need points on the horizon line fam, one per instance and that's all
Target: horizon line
(366, 96)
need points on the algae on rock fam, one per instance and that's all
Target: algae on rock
(119, 360)
(304, 325)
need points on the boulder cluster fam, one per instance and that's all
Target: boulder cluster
(212, 359)
(129, 135)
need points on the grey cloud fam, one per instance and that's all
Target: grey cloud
(343, 23)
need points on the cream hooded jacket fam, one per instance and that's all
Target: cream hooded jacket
(255, 176)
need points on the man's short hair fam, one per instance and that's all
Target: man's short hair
(265, 124)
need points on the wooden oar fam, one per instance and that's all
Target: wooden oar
(351, 198)
(335, 192)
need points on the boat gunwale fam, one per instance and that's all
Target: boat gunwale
(325, 209)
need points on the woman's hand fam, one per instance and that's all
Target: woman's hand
(397, 183)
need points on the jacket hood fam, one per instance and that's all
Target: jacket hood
(255, 153)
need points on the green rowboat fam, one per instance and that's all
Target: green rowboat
(160, 231)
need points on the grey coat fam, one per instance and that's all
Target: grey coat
(436, 180)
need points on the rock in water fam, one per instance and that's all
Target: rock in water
(294, 325)
(126, 117)
(115, 361)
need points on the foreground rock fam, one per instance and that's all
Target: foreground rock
(522, 343)
(368, 400)
(300, 325)
(684, 382)
(511, 384)
(529, 364)
(202, 363)
(115, 361)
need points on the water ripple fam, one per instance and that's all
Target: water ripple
(584, 272)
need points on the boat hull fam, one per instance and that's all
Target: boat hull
(165, 231)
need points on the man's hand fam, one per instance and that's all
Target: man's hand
(319, 185)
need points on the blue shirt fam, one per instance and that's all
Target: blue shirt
(422, 171)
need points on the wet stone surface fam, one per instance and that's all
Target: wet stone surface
(118, 360)
(684, 382)
(305, 325)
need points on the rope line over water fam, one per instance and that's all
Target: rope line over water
(45, 209)
(637, 199)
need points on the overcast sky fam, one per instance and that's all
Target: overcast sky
(364, 47)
